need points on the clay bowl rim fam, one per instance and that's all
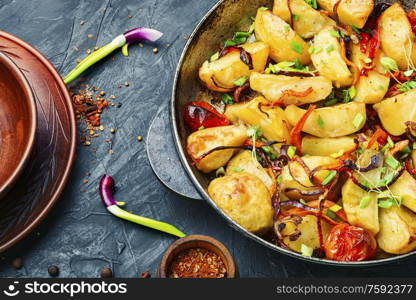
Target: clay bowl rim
(30, 101)
(187, 243)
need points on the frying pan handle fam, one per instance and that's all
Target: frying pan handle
(164, 159)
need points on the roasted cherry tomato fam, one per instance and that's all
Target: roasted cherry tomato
(350, 243)
(203, 115)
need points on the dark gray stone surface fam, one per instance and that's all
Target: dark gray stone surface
(79, 235)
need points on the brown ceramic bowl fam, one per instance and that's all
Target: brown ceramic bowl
(17, 123)
(197, 241)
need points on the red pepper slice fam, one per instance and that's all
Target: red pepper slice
(379, 136)
(202, 114)
(295, 135)
(375, 40)
(412, 19)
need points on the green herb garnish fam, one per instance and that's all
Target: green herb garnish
(335, 33)
(306, 251)
(291, 151)
(240, 81)
(312, 3)
(365, 201)
(330, 48)
(214, 57)
(321, 122)
(355, 29)
(227, 99)
(295, 17)
(358, 120)
(389, 64)
(238, 170)
(392, 162)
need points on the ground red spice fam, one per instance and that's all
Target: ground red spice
(197, 263)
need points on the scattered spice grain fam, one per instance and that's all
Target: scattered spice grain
(17, 263)
(140, 138)
(197, 263)
(155, 50)
(145, 275)
(82, 22)
(126, 83)
(90, 36)
(106, 273)
(53, 271)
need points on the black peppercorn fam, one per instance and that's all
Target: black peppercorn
(53, 271)
(17, 263)
(106, 273)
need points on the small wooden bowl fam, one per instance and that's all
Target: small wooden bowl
(197, 241)
(17, 123)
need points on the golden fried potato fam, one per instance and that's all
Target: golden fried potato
(205, 140)
(397, 38)
(245, 199)
(370, 89)
(350, 12)
(396, 111)
(327, 146)
(290, 186)
(333, 121)
(310, 21)
(308, 229)
(397, 230)
(220, 75)
(366, 216)
(327, 58)
(274, 86)
(285, 44)
(282, 10)
(244, 161)
(405, 187)
(272, 121)
(232, 110)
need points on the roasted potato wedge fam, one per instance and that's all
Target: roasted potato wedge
(397, 38)
(350, 12)
(370, 89)
(396, 111)
(285, 44)
(272, 121)
(282, 10)
(205, 140)
(328, 60)
(397, 230)
(365, 217)
(298, 231)
(291, 187)
(310, 21)
(333, 121)
(327, 146)
(273, 87)
(220, 75)
(245, 199)
(244, 162)
(231, 112)
(405, 187)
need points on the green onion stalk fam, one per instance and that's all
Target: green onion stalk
(106, 193)
(121, 41)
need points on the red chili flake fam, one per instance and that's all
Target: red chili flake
(412, 19)
(197, 263)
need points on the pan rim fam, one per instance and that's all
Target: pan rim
(204, 194)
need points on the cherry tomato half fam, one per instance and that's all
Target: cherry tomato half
(202, 114)
(350, 243)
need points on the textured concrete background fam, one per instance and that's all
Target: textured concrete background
(79, 235)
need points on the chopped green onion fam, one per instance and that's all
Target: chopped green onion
(306, 251)
(392, 162)
(229, 43)
(241, 81)
(367, 60)
(408, 73)
(389, 64)
(303, 202)
(331, 214)
(254, 131)
(321, 122)
(381, 88)
(365, 201)
(329, 178)
(287, 28)
(291, 151)
(201, 128)
(280, 179)
(335, 33)
(330, 48)
(238, 170)
(295, 46)
(295, 17)
(336, 208)
(263, 8)
(312, 3)
(385, 203)
(358, 120)
(215, 57)
(352, 91)
(355, 29)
